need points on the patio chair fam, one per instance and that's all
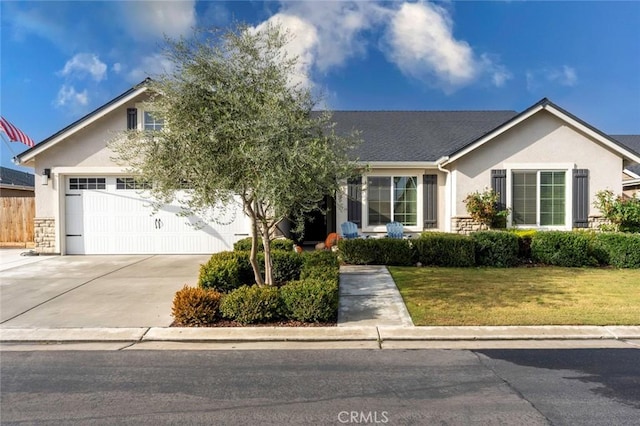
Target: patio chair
(349, 230)
(395, 230)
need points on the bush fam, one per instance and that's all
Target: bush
(443, 249)
(277, 244)
(226, 271)
(286, 265)
(623, 213)
(310, 300)
(195, 306)
(249, 305)
(483, 207)
(322, 265)
(524, 242)
(620, 250)
(496, 248)
(563, 248)
(382, 251)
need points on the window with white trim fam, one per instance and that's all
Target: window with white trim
(539, 198)
(151, 122)
(392, 198)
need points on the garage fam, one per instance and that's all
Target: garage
(114, 215)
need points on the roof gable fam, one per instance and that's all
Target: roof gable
(78, 125)
(568, 118)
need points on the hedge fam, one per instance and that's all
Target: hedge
(564, 248)
(444, 249)
(277, 244)
(496, 248)
(377, 251)
(619, 250)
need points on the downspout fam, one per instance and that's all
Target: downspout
(449, 193)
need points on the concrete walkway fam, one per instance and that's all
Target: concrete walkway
(369, 297)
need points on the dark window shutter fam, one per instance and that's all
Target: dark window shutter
(132, 118)
(580, 198)
(430, 201)
(354, 201)
(499, 185)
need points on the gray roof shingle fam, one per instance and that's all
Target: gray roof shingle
(15, 177)
(633, 143)
(416, 135)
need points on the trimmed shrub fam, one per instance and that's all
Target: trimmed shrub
(382, 251)
(322, 265)
(310, 300)
(496, 248)
(195, 306)
(277, 244)
(563, 248)
(286, 265)
(226, 271)
(619, 250)
(444, 249)
(524, 242)
(249, 305)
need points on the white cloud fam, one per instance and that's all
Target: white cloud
(70, 98)
(154, 19)
(422, 45)
(149, 66)
(84, 64)
(562, 76)
(303, 44)
(117, 68)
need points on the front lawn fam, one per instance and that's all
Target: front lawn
(520, 296)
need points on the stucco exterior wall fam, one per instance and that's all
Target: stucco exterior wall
(540, 140)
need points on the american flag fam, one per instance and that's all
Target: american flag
(14, 133)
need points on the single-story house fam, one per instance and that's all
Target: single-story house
(546, 164)
(631, 173)
(15, 183)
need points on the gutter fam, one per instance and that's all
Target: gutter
(449, 185)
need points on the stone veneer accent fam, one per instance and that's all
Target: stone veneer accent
(465, 225)
(44, 229)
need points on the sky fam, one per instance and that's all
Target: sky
(60, 60)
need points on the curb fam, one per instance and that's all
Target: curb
(316, 334)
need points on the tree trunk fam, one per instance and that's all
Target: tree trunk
(253, 256)
(268, 264)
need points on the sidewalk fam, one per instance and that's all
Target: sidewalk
(371, 315)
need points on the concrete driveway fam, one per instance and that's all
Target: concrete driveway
(92, 291)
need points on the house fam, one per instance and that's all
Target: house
(14, 183)
(631, 173)
(546, 164)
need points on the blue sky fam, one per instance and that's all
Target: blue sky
(62, 59)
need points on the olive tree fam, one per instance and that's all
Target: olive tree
(236, 126)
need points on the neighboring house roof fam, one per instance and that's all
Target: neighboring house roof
(10, 178)
(389, 136)
(633, 143)
(77, 125)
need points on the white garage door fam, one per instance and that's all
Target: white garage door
(113, 215)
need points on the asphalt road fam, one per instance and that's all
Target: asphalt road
(279, 387)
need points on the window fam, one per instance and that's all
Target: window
(131, 183)
(87, 183)
(150, 122)
(539, 198)
(392, 199)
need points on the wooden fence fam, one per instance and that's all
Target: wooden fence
(16, 220)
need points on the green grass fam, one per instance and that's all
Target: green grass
(520, 296)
